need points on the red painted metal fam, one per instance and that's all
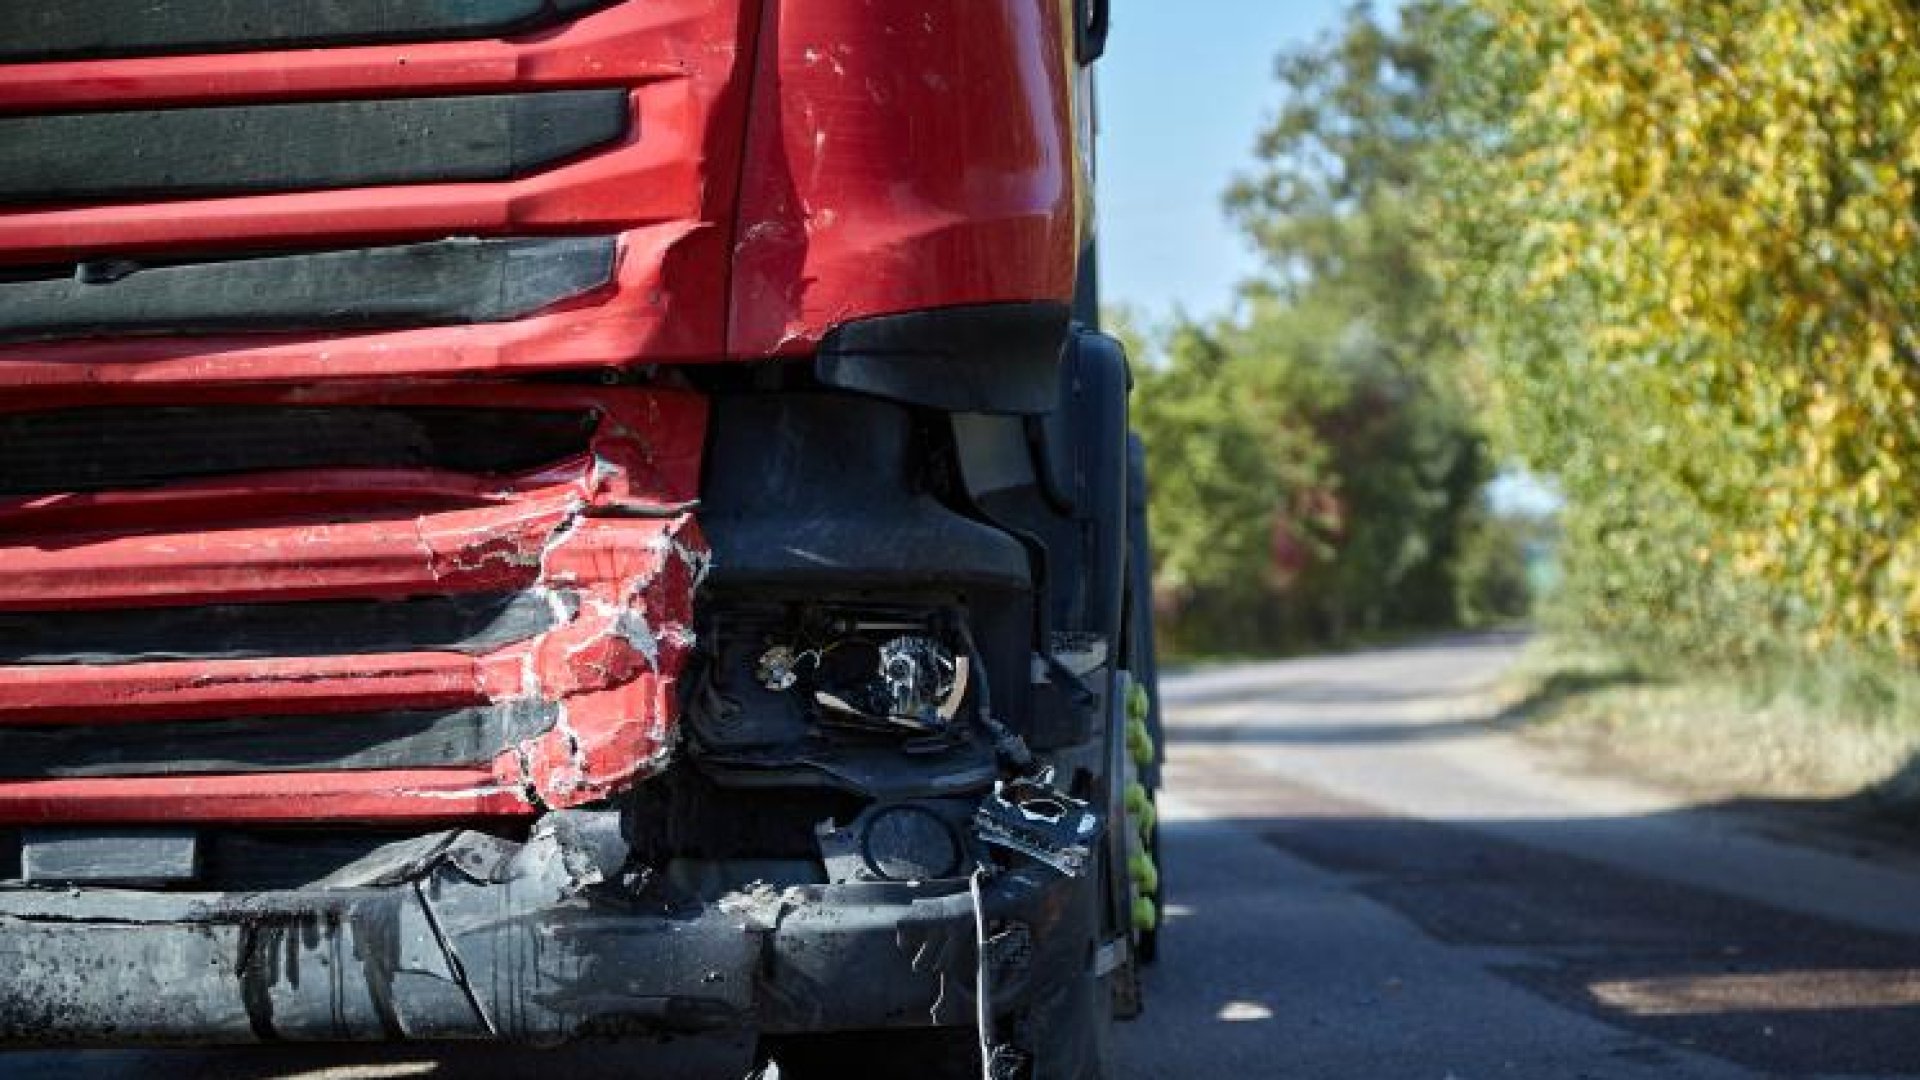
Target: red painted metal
(611, 532)
(903, 156)
(792, 164)
(668, 190)
(385, 558)
(897, 157)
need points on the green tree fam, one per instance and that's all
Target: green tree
(1314, 465)
(1682, 232)
(1337, 206)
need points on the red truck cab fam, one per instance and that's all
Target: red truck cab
(523, 519)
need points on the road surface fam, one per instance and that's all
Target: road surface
(1368, 881)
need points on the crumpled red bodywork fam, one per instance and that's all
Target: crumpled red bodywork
(790, 165)
(608, 538)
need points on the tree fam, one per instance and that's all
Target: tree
(1682, 233)
(1337, 206)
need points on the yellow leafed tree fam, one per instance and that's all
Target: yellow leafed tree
(1683, 234)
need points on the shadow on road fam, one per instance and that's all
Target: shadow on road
(591, 1059)
(1494, 945)
(1897, 798)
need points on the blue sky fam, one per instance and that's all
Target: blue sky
(1184, 89)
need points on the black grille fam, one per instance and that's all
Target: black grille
(446, 282)
(409, 739)
(469, 623)
(85, 29)
(113, 448)
(239, 149)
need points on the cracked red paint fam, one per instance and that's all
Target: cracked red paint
(607, 538)
(617, 692)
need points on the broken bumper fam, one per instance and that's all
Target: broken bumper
(470, 937)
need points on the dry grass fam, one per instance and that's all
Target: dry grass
(1798, 735)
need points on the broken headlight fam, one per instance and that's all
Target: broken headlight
(882, 676)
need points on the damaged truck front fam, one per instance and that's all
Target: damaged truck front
(533, 519)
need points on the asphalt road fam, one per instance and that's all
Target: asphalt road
(1368, 881)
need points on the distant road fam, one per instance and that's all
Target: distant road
(1369, 882)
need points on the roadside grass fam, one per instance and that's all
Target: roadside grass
(1832, 732)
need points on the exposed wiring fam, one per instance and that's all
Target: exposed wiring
(982, 1008)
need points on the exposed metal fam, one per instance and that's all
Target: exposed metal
(1033, 817)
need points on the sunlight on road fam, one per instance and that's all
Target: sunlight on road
(1780, 991)
(1239, 1012)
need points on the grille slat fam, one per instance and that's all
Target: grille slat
(447, 282)
(109, 449)
(89, 29)
(470, 623)
(248, 149)
(381, 740)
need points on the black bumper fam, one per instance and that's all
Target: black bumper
(476, 938)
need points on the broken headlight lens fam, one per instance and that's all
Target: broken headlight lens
(901, 682)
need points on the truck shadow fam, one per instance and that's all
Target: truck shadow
(591, 1059)
(1371, 934)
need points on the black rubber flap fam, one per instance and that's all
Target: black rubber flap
(990, 358)
(240, 149)
(84, 29)
(435, 284)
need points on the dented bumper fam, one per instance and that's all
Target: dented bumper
(463, 936)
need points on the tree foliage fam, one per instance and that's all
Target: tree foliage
(1682, 236)
(1314, 469)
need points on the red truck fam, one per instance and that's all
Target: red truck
(533, 519)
